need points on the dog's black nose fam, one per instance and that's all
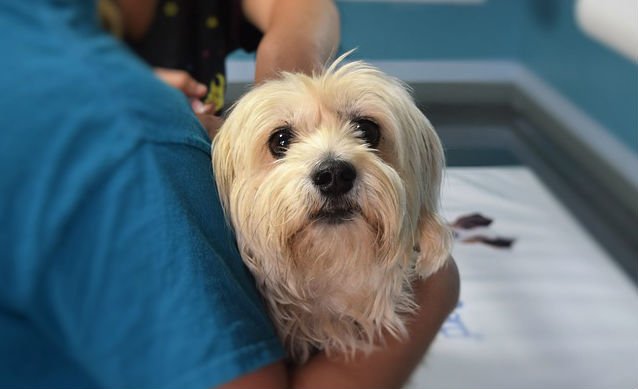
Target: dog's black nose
(334, 177)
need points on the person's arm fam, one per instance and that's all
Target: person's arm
(387, 367)
(299, 35)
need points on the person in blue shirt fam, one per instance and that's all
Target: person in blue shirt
(117, 267)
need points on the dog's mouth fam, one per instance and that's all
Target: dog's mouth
(335, 212)
(336, 216)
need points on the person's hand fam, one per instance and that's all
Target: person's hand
(189, 86)
(194, 91)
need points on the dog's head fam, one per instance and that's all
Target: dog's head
(316, 172)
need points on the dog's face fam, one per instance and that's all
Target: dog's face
(324, 175)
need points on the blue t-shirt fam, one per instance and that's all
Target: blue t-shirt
(116, 266)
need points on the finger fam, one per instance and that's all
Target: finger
(182, 81)
(192, 88)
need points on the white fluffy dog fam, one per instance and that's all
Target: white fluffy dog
(331, 183)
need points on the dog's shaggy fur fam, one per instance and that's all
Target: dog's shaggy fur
(333, 283)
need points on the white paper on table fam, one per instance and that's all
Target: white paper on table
(554, 311)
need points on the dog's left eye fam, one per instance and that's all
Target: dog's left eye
(280, 141)
(369, 131)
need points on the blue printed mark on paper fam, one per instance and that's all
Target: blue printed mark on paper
(455, 327)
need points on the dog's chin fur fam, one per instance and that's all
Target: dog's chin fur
(335, 272)
(347, 290)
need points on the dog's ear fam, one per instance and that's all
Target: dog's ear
(434, 244)
(424, 163)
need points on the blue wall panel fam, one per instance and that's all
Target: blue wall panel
(601, 82)
(384, 30)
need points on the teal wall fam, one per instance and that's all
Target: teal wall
(541, 34)
(600, 81)
(382, 30)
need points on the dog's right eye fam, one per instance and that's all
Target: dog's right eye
(368, 131)
(280, 141)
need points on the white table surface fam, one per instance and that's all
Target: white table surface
(554, 311)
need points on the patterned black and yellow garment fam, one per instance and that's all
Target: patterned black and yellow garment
(196, 36)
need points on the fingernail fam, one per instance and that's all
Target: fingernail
(198, 106)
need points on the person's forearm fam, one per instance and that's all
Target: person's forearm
(299, 35)
(391, 365)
